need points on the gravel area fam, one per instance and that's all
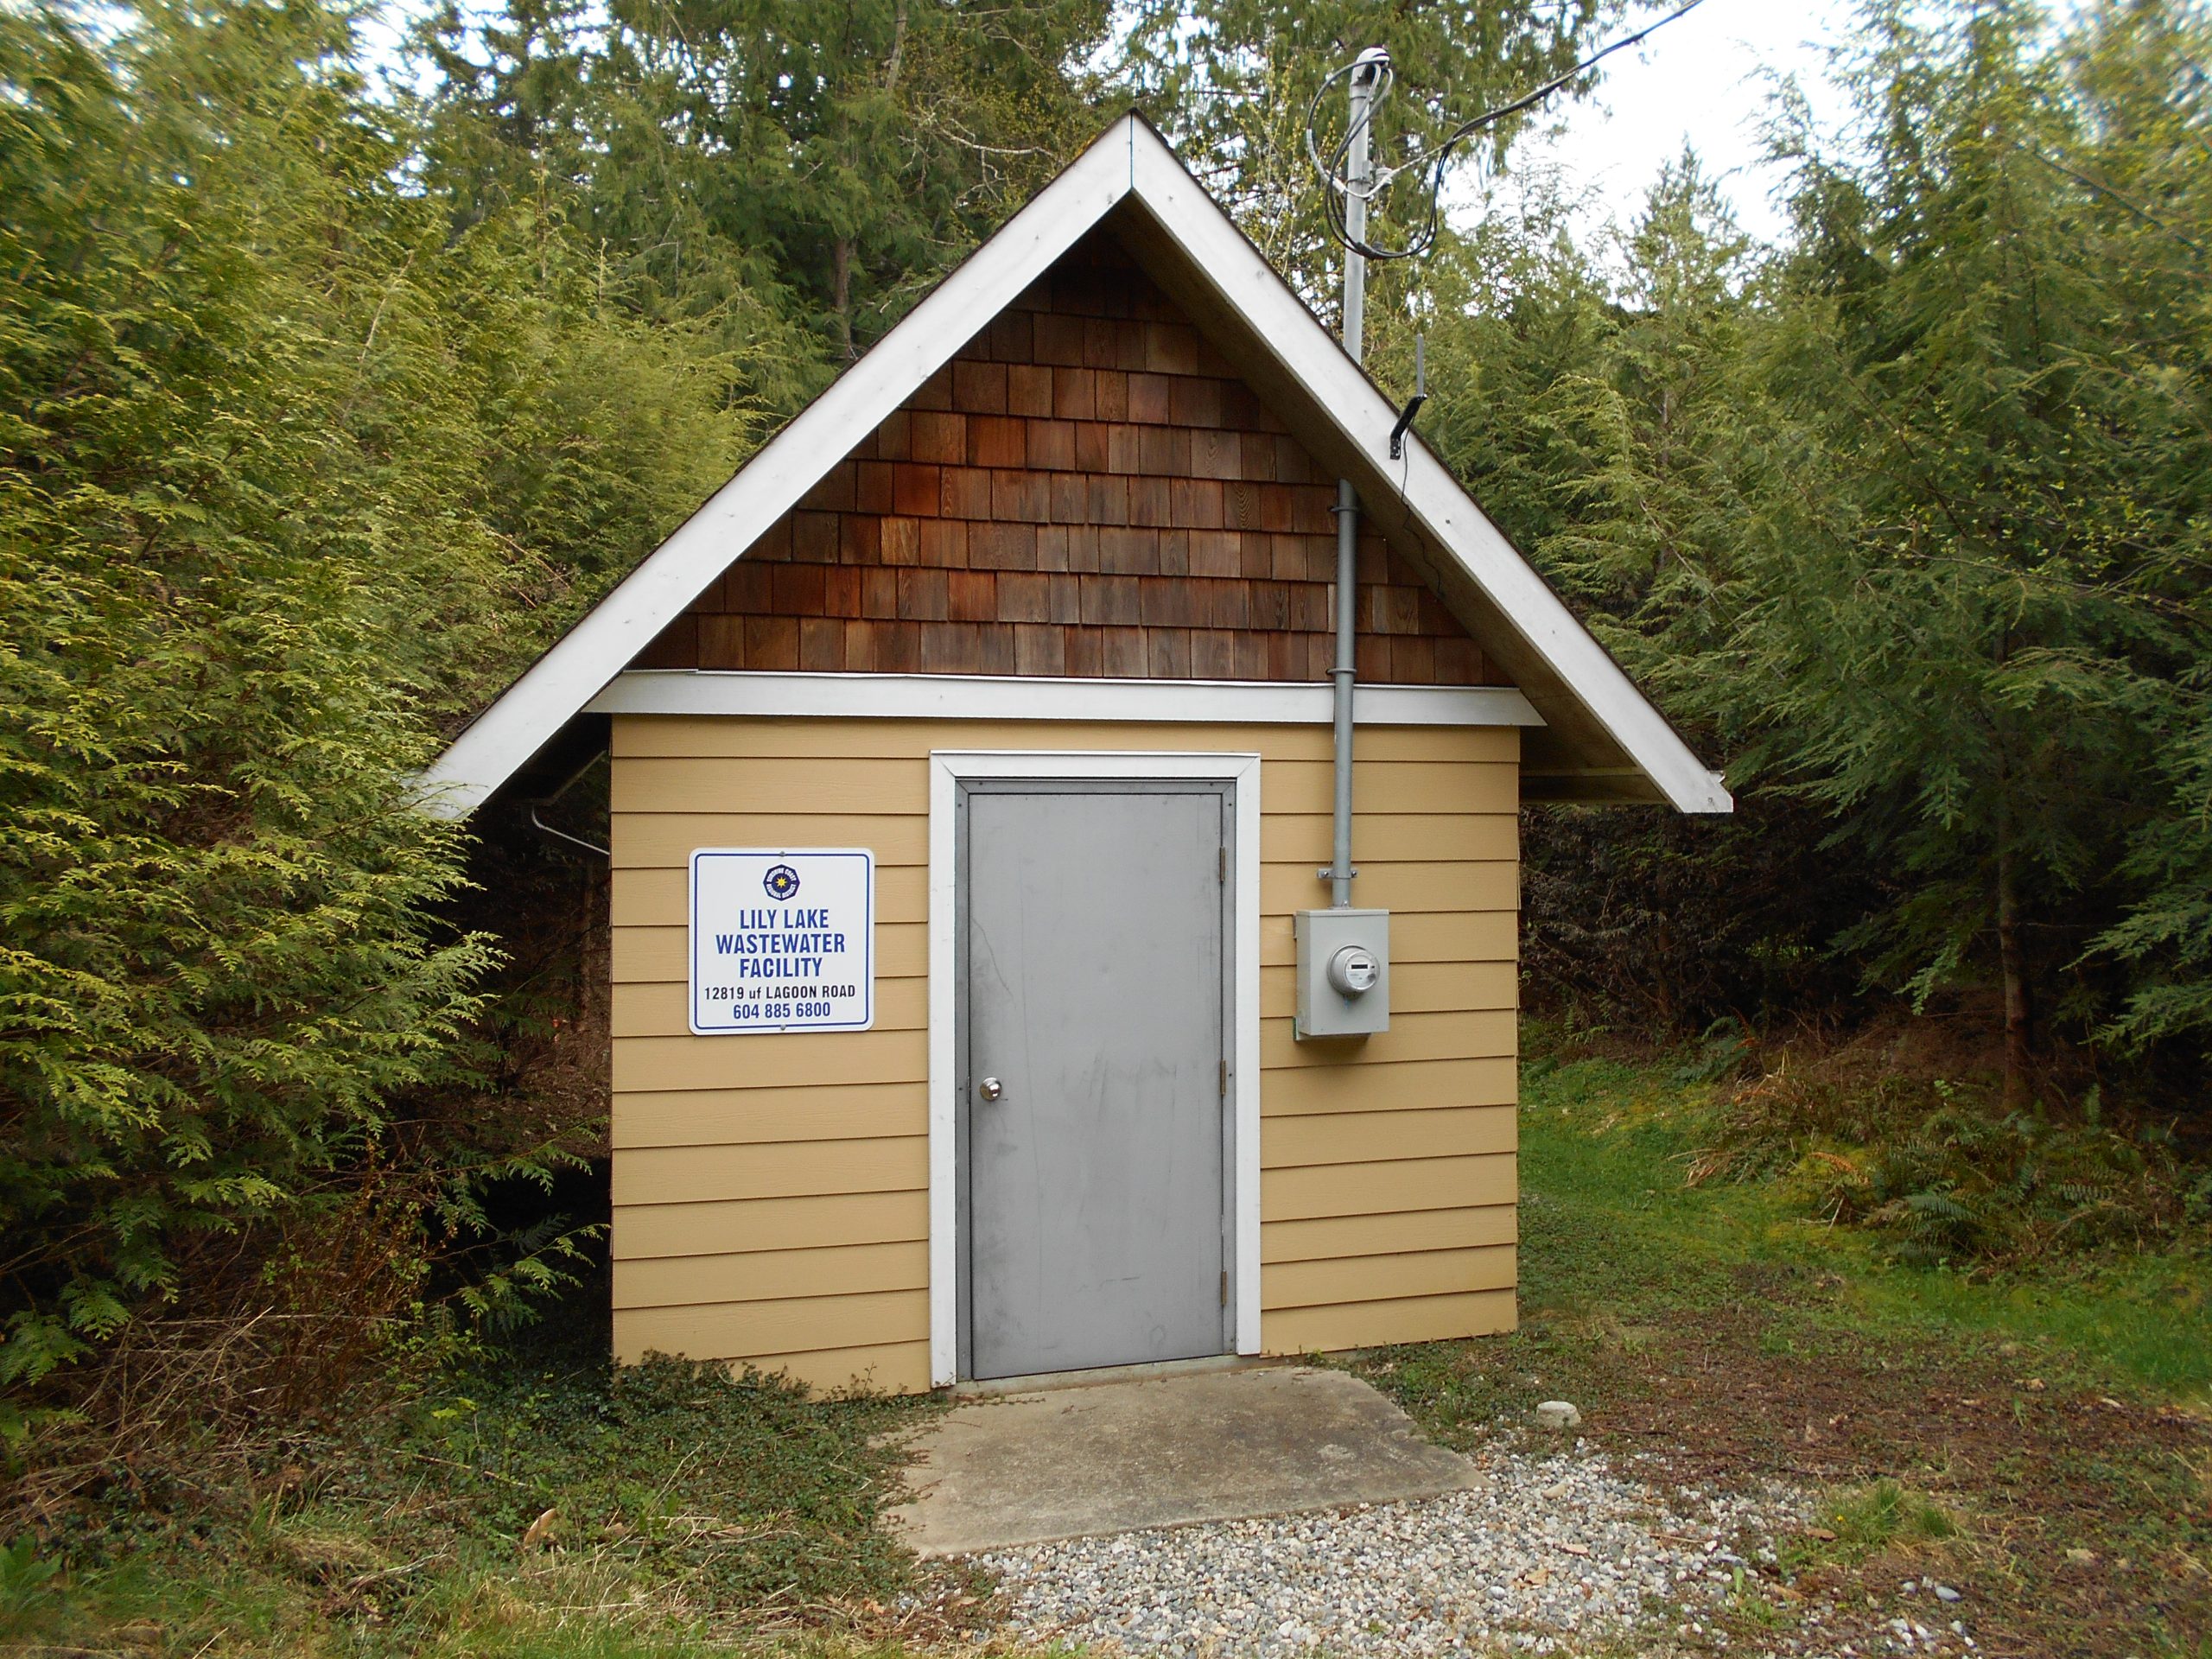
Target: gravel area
(1544, 1551)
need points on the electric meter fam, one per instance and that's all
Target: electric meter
(1344, 972)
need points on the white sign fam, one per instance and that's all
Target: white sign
(782, 940)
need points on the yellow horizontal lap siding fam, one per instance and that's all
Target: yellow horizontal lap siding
(1304, 1193)
(1335, 1138)
(1411, 1318)
(1417, 987)
(731, 1226)
(812, 784)
(1409, 1085)
(823, 784)
(770, 1188)
(1394, 786)
(1476, 1034)
(791, 1325)
(771, 1275)
(665, 841)
(783, 1170)
(1355, 1280)
(743, 1116)
(1408, 1232)
(769, 1059)
(1406, 889)
(1398, 838)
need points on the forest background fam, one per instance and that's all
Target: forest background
(329, 400)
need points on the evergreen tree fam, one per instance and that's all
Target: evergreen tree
(1907, 521)
(2145, 174)
(798, 172)
(219, 960)
(1609, 415)
(1949, 653)
(290, 480)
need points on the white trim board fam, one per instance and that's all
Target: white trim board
(977, 697)
(947, 768)
(1600, 722)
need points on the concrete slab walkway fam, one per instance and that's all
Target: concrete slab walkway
(1163, 1451)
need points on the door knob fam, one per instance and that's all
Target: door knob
(990, 1089)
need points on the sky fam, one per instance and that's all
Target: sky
(1706, 79)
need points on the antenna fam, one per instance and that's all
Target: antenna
(1413, 404)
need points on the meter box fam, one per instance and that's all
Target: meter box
(1344, 972)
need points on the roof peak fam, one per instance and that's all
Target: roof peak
(1603, 740)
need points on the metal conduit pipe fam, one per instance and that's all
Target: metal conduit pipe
(1344, 674)
(1364, 81)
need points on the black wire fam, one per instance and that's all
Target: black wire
(1335, 189)
(1330, 171)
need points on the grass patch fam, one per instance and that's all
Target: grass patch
(547, 1504)
(1885, 1516)
(2142, 1320)
(1611, 1222)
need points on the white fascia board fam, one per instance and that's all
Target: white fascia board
(977, 697)
(504, 738)
(1280, 322)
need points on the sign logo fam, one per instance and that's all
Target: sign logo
(781, 883)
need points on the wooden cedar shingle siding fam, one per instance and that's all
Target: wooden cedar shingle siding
(771, 1192)
(1085, 489)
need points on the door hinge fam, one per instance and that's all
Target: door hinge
(1224, 1079)
(1224, 1286)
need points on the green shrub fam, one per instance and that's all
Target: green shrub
(221, 956)
(1968, 1183)
(294, 472)
(1943, 1174)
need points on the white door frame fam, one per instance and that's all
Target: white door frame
(948, 769)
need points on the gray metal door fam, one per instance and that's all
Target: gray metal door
(1095, 980)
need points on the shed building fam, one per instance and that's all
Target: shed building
(1033, 609)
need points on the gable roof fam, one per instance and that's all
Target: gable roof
(1602, 739)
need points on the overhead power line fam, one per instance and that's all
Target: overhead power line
(1335, 187)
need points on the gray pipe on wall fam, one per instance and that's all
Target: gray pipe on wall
(1363, 84)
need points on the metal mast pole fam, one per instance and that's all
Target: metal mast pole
(1361, 84)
